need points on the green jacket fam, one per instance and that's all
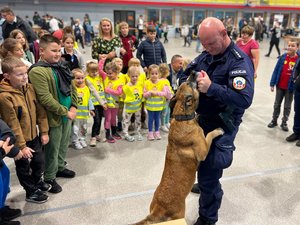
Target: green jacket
(44, 85)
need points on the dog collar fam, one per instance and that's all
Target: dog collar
(185, 117)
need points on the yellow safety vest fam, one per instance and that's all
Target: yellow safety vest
(98, 85)
(133, 98)
(112, 100)
(154, 103)
(83, 102)
(141, 79)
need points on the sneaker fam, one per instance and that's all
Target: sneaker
(83, 143)
(93, 142)
(110, 139)
(139, 137)
(5, 222)
(284, 127)
(100, 138)
(66, 173)
(157, 135)
(43, 186)
(117, 136)
(272, 124)
(129, 138)
(164, 129)
(168, 125)
(8, 213)
(37, 197)
(150, 136)
(293, 137)
(56, 188)
(298, 143)
(77, 145)
(195, 189)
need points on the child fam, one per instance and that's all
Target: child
(113, 90)
(133, 92)
(85, 107)
(154, 92)
(130, 44)
(52, 83)
(7, 149)
(282, 79)
(97, 81)
(70, 54)
(22, 112)
(11, 47)
(151, 50)
(164, 72)
(21, 38)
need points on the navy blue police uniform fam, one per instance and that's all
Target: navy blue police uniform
(230, 93)
(296, 78)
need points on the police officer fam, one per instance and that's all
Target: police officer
(225, 82)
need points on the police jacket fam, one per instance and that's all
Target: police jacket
(232, 87)
(277, 72)
(152, 52)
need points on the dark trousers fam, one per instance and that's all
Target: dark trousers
(140, 35)
(30, 172)
(4, 183)
(296, 127)
(276, 43)
(79, 37)
(97, 120)
(288, 99)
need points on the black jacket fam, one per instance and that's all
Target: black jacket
(178, 76)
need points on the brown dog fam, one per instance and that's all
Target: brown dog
(187, 146)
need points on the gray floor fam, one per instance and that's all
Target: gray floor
(115, 182)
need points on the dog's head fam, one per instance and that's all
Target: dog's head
(186, 100)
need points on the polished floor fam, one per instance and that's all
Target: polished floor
(115, 182)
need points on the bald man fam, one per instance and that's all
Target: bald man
(225, 83)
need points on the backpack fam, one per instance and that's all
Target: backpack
(77, 31)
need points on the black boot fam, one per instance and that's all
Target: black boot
(272, 124)
(120, 126)
(115, 133)
(284, 126)
(293, 137)
(202, 221)
(109, 138)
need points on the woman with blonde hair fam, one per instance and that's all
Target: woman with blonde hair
(107, 44)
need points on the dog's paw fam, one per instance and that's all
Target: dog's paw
(220, 131)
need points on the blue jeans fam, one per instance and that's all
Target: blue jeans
(153, 116)
(4, 184)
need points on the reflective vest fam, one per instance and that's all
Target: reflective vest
(154, 103)
(141, 79)
(133, 98)
(112, 100)
(98, 85)
(83, 102)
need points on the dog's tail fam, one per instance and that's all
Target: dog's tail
(213, 134)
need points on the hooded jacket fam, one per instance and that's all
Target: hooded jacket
(22, 112)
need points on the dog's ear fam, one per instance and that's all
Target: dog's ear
(173, 101)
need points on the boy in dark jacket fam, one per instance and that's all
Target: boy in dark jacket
(151, 51)
(7, 149)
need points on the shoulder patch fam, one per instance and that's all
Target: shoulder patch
(239, 83)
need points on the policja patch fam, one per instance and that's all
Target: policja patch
(239, 83)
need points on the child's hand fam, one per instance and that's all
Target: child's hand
(102, 57)
(19, 156)
(122, 51)
(92, 113)
(5, 145)
(44, 139)
(72, 113)
(27, 152)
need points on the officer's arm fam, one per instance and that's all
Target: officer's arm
(296, 70)
(239, 90)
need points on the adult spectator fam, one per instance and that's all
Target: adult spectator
(14, 22)
(275, 38)
(36, 18)
(140, 26)
(226, 87)
(176, 71)
(88, 31)
(53, 24)
(107, 44)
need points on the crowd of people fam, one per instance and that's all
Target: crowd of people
(48, 92)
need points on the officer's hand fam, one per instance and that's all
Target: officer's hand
(203, 82)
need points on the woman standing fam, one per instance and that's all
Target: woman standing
(107, 44)
(249, 46)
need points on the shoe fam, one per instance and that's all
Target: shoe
(66, 163)
(77, 145)
(56, 188)
(43, 186)
(8, 213)
(83, 143)
(195, 189)
(100, 138)
(284, 127)
(129, 138)
(93, 142)
(117, 136)
(293, 137)
(298, 143)
(4, 222)
(37, 197)
(168, 125)
(267, 55)
(66, 173)
(150, 136)
(157, 135)
(164, 129)
(272, 124)
(139, 137)
(201, 221)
